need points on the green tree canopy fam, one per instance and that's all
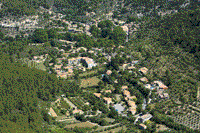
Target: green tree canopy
(118, 35)
(105, 23)
(1, 35)
(52, 33)
(40, 36)
(95, 31)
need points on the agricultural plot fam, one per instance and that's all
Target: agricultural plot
(82, 124)
(115, 130)
(31, 64)
(89, 82)
(189, 120)
(77, 102)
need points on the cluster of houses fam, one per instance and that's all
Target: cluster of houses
(80, 63)
(142, 119)
(129, 100)
(107, 100)
(156, 85)
(52, 112)
(40, 58)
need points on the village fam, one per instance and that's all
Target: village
(109, 93)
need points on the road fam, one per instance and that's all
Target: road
(144, 104)
(104, 126)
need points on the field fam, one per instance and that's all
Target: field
(30, 63)
(89, 82)
(82, 124)
(115, 130)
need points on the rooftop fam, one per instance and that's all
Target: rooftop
(143, 70)
(144, 79)
(119, 107)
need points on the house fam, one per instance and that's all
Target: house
(124, 87)
(78, 49)
(70, 71)
(130, 67)
(88, 62)
(126, 93)
(63, 75)
(144, 79)
(108, 57)
(125, 29)
(58, 67)
(131, 104)
(98, 95)
(107, 100)
(119, 108)
(166, 95)
(77, 111)
(90, 51)
(82, 68)
(160, 84)
(142, 126)
(62, 51)
(147, 86)
(52, 112)
(124, 66)
(51, 64)
(145, 118)
(132, 110)
(143, 70)
(108, 91)
(132, 97)
(109, 72)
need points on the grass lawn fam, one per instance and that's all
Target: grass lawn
(109, 119)
(57, 111)
(91, 72)
(89, 82)
(160, 127)
(82, 124)
(65, 105)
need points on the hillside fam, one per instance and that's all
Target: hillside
(171, 51)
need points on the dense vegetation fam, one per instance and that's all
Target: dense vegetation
(26, 92)
(171, 49)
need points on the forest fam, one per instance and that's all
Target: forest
(26, 92)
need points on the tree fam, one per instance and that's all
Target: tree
(118, 35)
(105, 24)
(139, 108)
(52, 33)
(106, 32)
(1, 35)
(40, 36)
(115, 14)
(95, 31)
(103, 122)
